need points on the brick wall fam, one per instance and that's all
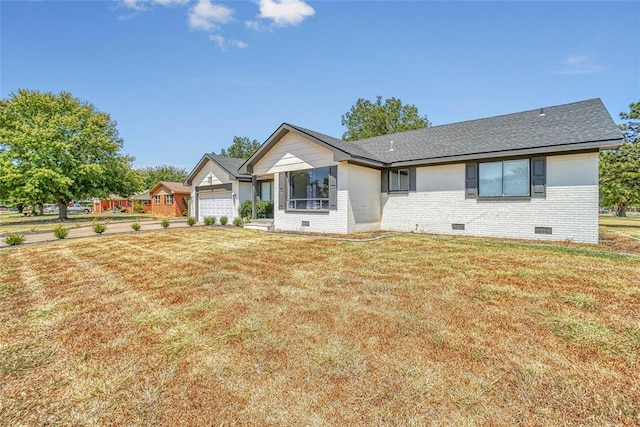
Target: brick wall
(173, 210)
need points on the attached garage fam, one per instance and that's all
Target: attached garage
(216, 204)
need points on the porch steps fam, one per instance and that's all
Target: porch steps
(260, 224)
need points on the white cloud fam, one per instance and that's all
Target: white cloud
(206, 15)
(223, 43)
(284, 12)
(238, 43)
(170, 2)
(580, 64)
(142, 5)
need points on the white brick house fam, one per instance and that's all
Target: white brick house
(529, 175)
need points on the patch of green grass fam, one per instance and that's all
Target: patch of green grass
(20, 359)
(579, 300)
(338, 358)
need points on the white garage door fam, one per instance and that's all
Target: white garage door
(216, 204)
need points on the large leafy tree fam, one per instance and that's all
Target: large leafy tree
(242, 148)
(620, 169)
(152, 175)
(58, 148)
(367, 119)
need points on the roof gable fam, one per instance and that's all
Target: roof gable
(228, 164)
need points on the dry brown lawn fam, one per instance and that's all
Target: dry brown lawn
(223, 326)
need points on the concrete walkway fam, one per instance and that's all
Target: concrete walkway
(115, 227)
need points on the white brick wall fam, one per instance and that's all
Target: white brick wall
(570, 207)
(363, 198)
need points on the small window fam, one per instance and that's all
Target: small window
(157, 200)
(509, 178)
(266, 191)
(168, 199)
(399, 180)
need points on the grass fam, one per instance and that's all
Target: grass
(12, 222)
(629, 226)
(224, 326)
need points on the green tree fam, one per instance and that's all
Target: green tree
(242, 148)
(59, 148)
(620, 169)
(152, 175)
(367, 119)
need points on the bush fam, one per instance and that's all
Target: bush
(14, 239)
(238, 222)
(209, 220)
(138, 207)
(191, 221)
(245, 209)
(99, 228)
(136, 226)
(224, 220)
(60, 232)
(165, 223)
(263, 209)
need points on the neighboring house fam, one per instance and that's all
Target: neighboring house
(143, 199)
(113, 203)
(218, 189)
(168, 199)
(529, 175)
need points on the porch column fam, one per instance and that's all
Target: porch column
(254, 187)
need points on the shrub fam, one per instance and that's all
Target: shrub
(238, 222)
(209, 220)
(165, 223)
(60, 232)
(191, 221)
(99, 228)
(14, 239)
(264, 209)
(138, 207)
(136, 226)
(224, 220)
(245, 209)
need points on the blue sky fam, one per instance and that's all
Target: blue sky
(182, 77)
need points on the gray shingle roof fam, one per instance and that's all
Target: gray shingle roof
(230, 164)
(348, 147)
(572, 124)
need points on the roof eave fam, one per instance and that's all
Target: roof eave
(555, 149)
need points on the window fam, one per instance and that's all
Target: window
(308, 189)
(266, 191)
(168, 199)
(504, 179)
(399, 180)
(157, 201)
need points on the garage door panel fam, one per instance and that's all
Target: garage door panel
(215, 204)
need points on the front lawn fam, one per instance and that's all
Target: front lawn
(629, 225)
(224, 326)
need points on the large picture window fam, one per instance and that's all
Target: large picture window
(399, 180)
(309, 189)
(504, 179)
